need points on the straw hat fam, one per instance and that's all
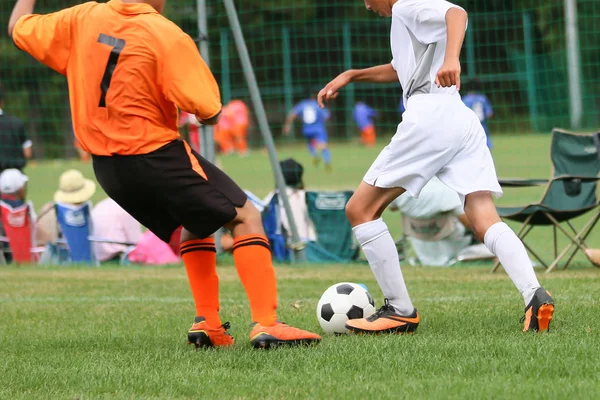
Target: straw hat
(73, 188)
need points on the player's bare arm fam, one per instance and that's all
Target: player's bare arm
(449, 74)
(289, 119)
(379, 74)
(22, 7)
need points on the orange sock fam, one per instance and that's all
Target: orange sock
(200, 259)
(252, 257)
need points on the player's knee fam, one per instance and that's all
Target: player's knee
(478, 232)
(358, 214)
(248, 215)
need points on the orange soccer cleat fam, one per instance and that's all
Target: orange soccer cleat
(385, 320)
(203, 335)
(265, 337)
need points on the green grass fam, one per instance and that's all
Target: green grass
(119, 333)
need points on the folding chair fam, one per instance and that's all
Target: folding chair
(76, 226)
(570, 193)
(335, 240)
(18, 225)
(334, 234)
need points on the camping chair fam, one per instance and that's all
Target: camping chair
(76, 226)
(274, 230)
(335, 240)
(570, 193)
(18, 225)
(334, 234)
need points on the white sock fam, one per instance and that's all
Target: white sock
(509, 249)
(380, 250)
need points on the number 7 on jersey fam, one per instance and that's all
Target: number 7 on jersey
(117, 46)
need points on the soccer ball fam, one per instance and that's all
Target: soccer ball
(341, 302)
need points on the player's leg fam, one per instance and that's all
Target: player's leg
(322, 147)
(416, 152)
(501, 240)
(214, 201)
(471, 172)
(372, 136)
(200, 259)
(368, 136)
(311, 145)
(140, 193)
(239, 134)
(364, 211)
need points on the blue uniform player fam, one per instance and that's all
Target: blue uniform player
(313, 128)
(479, 103)
(363, 116)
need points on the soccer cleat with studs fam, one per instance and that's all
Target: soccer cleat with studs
(280, 334)
(203, 335)
(539, 312)
(385, 320)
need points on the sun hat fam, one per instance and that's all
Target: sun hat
(12, 180)
(73, 188)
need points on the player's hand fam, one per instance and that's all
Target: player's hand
(449, 74)
(331, 90)
(286, 130)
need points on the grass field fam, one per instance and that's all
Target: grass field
(119, 333)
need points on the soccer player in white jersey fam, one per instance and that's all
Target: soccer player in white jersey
(439, 136)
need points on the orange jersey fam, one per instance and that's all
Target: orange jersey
(128, 68)
(239, 112)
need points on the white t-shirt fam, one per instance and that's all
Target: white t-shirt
(418, 42)
(434, 199)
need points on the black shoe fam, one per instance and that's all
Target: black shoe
(538, 312)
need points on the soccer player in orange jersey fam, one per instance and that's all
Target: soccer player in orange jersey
(239, 114)
(129, 69)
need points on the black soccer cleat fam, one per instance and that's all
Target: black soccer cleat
(539, 312)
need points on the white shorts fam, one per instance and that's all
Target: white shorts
(440, 136)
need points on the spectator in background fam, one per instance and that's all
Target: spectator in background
(15, 147)
(73, 189)
(113, 223)
(293, 173)
(313, 128)
(479, 103)
(363, 116)
(238, 112)
(13, 187)
(436, 224)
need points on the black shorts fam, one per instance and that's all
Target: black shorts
(171, 187)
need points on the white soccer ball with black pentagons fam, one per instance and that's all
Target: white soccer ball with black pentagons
(342, 302)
